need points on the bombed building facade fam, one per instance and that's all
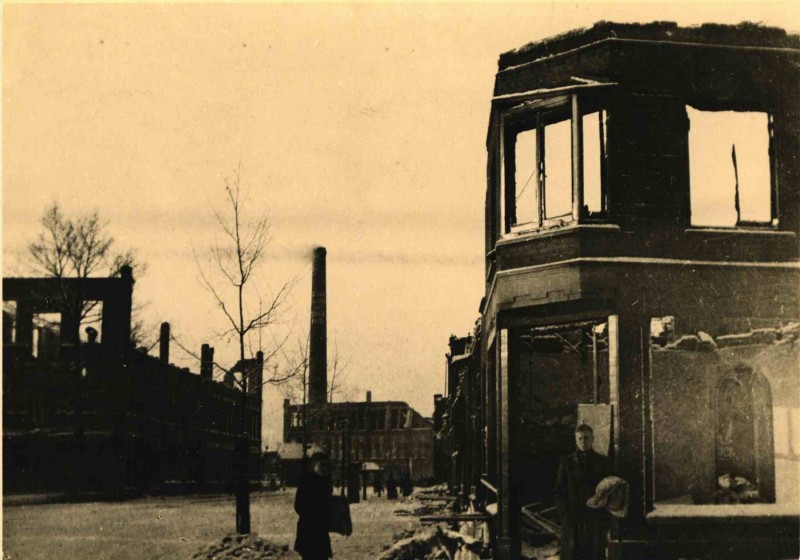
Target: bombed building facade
(642, 223)
(97, 415)
(390, 434)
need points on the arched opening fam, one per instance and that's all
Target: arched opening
(744, 461)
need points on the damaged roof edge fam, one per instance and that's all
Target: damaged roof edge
(745, 34)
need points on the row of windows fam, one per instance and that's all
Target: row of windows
(367, 419)
(554, 162)
(381, 447)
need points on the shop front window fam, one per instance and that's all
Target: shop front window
(724, 401)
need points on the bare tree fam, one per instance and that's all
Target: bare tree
(228, 274)
(297, 362)
(296, 390)
(80, 247)
(337, 378)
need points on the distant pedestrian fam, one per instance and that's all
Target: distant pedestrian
(408, 486)
(391, 487)
(584, 530)
(313, 504)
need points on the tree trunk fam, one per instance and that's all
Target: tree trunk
(243, 445)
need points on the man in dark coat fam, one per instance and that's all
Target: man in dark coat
(313, 504)
(584, 531)
(391, 487)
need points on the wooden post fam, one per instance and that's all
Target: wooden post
(505, 546)
(577, 160)
(595, 380)
(631, 413)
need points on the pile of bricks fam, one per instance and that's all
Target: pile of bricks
(244, 547)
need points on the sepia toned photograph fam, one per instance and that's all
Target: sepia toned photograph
(401, 281)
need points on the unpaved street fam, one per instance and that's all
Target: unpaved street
(178, 527)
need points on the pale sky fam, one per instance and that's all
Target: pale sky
(359, 127)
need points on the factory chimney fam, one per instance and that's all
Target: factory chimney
(318, 344)
(163, 343)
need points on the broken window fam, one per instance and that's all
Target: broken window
(594, 149)
(92, 319)
(525, 179)
(730, 168)
(557, 185)
(724, 405)
(9, 322)
(537, 178)
(46, 335)
(297, 419)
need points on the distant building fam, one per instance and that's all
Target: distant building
(391, 434)
(459, 420)
(81, 417)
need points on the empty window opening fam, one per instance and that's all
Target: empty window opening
(558, 169)
(723, 420)
(525, 179)
(594, 143)
(9, 322)
(729, 168)
(46, 335)
(92, 319)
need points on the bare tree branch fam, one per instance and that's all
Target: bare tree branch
(236, 260)
(77, 247)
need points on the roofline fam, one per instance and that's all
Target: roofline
(742, 35)
(787, 50)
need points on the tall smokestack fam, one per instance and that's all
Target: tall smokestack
(163, 343)
(318, 349)
(206, 362)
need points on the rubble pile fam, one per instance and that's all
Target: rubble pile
(244, 547)
(436, 543)
(418, 511)
(425, 501)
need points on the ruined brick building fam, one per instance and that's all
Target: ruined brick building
(390, 434)
(642, 223)
(87, 416)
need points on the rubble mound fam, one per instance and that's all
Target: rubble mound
(436, 543)
(244, 547)
(417, 546)
(425, 501)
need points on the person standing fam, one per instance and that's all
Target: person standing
(391, 487)
(313, 506)
(584, 531)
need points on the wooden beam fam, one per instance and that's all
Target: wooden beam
(577, 160)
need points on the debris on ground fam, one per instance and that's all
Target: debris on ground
(426, 501)
(436, 543)
(417, 511)
(244, 547)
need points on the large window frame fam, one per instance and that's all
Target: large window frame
(771, 188)
(537, 117)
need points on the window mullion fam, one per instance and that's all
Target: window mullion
(773, 171)
(577, 160)
(603, 184)
(540, 172)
